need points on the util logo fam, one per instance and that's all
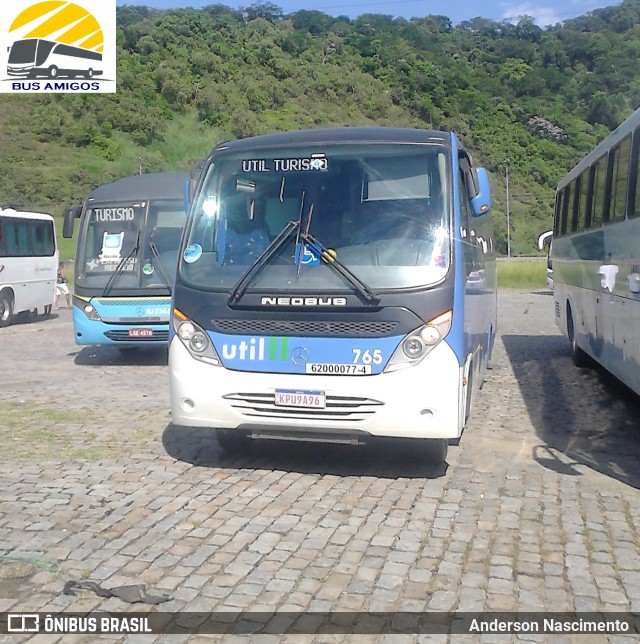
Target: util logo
(54, 40)
(257, 349)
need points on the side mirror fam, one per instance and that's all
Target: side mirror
(481, 202)
(545, 239)
(70, 214)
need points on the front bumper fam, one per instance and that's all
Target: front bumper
(418, 402)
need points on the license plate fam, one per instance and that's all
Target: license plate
(300, 398)
(339, 369)
(140, 333)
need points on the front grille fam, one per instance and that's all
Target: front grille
(335, 328)
(139, 320)
(128, 302)
(123, 336)
(341, 408)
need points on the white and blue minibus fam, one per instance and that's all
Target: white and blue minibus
(126, 257)
(334, 285)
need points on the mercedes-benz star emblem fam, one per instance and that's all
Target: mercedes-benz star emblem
(299, 355)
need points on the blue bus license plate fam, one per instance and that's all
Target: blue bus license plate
(140, 333)
(300, 398)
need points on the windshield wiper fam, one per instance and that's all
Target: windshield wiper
(118, 271)
(161, 267)
(272, 249)
(329, 258)
(317, 248)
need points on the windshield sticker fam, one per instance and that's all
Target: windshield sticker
(305, 255)
(148, 269)
(192, 253)
(111, 247)
(94, 266)
(296, 164)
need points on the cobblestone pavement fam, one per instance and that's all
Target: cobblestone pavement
(538, 508)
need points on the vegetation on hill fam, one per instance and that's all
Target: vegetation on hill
(188, 78)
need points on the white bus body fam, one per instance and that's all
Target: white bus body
(381, 326)
(28, 264)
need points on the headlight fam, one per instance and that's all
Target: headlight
(420, 342)
(186, 330)
(199, 342)
(195, 339)
(413, 347)
(90, 312)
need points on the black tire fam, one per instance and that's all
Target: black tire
(233, 441)
(89, 73)
(53, 71)
(580, 358)
(6, 309)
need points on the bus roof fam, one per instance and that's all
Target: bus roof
(22, 214)
(156, 185)
(337, 135)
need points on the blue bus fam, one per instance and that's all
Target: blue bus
(596, 255)
(126, 258)
(334, 285)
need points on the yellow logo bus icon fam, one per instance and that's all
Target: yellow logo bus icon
(59, 40)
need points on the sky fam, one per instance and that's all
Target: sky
(545, 12)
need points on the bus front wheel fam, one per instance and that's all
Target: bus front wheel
(89, 73)
(53, 72)
(6, 309)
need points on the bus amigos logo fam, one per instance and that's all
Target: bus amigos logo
(58, 47)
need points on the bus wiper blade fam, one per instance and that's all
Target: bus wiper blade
(329, 258)
(161, 267)
(118, 271)
(272, 249)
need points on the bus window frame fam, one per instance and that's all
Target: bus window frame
(615, 157)
(634, 179)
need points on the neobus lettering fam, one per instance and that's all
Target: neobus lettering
(304, 301)
(114, 214)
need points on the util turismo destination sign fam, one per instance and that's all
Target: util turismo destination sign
(57, 47)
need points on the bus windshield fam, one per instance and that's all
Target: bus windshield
(23, 51)
(130, 246)
(382, 210)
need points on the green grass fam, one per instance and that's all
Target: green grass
(526, 273)
(39, 431)
(66, 247)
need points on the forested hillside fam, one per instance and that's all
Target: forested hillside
(188, 79)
